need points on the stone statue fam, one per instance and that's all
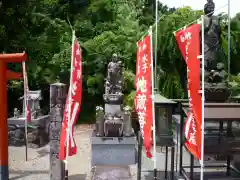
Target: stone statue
(212, 36)
(113, 121)
(114, 70)
(215, 76)
(113, 84)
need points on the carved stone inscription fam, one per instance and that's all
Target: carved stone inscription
(57, 103)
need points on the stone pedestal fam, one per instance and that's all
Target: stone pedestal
(116, 151)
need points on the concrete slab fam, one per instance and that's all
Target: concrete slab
(113, 150)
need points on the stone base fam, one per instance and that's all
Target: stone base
(4, 173)
(217, 94)
(113, 150)
(38, 131)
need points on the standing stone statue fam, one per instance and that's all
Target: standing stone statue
(113, 85)
(115, 120)
(215, 74)
(113, 142)
(212, 36)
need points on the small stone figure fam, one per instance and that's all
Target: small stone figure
(16, 113)
(217, 76)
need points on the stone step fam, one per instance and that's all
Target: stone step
(103, 172)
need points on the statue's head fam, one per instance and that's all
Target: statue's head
(220, 66)
(114, 57)
(209, 8)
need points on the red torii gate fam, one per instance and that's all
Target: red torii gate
(6, 75)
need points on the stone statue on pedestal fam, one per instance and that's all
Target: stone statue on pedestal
(113, 142)
(216, 89)
(114, 120)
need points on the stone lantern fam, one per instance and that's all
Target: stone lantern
(163, 117)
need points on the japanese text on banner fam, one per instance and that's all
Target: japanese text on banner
(74, 102)
(143, 98)
(189, 43)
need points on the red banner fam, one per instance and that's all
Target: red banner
(143, 98)
(189, 43)
(27, 110)
(74, 103)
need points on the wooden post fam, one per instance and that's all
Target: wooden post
(3, 123)
(6, 75)
(57, 103)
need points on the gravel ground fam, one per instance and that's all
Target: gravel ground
(37, 166)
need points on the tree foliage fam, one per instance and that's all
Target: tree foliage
(44, 30)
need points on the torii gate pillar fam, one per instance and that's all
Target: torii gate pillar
(6, 75)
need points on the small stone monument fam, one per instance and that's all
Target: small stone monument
(33, 98)
(113, 141)
(37, 128)
(58, 96)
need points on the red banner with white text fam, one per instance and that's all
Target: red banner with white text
(75, 103)
(143, 98)
(188, 41)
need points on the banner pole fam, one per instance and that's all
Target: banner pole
(156, 44)
(203, 101)
(229, 43)
(69, 109)
(153, 109)
(25, 109)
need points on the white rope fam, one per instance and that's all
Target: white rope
(147, 32)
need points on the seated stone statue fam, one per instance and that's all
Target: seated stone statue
(218, 75)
